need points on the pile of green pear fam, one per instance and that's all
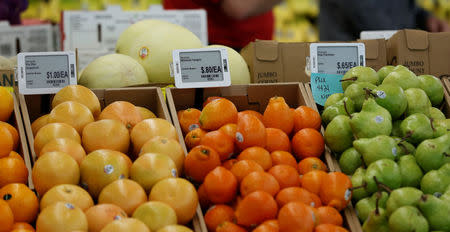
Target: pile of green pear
(388, 133)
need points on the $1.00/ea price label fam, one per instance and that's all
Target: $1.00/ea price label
(201, 68)
(45, 72)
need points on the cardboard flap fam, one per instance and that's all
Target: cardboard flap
(371, 49)
(416, 39)
(266, 50)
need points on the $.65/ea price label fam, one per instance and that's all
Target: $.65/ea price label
(201, 68)
(45, 72)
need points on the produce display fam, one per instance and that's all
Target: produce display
(389, 134)
(262, 171)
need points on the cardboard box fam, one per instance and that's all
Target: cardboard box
(245, 97)
(34, 106)
(422, 52)
(7, 78)
(376, 56)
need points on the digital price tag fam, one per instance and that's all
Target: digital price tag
(336, 58)
(201, 68)
(45, 72)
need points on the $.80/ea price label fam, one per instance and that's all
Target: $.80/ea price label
(200, 68)
(45, 72)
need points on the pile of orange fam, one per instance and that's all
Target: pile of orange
(262, 172)
(121, 157)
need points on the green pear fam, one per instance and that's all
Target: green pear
(377, 221)
(391, 97)
(382, 173)
(440, 127)
(402, 77)
(376, 148)
(433, 153)
(368, 204)
(396, 128)
(359, 185)
(446, 196)
(357, 92)
(416, 128)
(407, 219)
(383, 72)
(402, 197)
(343, 107)
(418, 102)
(405, 147)
(433, 87)
(436, 114)
(338, 134)
(436, 182)
(350, 160)
(332, 99)
(373, 120)
(436, 211)
(410, 170)
(359, 74)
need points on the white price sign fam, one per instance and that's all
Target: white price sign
(45, 72)
(336, 58)
(201, 68)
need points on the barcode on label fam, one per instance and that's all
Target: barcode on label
(6, 50)
(56, 81)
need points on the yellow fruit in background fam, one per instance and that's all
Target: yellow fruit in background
(239, 72)
(155, 215)
(145, 113)
(151, 128)
(69, 193)
(166, 146)
(125, 193)
(73, 113)
(39, 123)
(106, 134)
(126, 224)
(79, 94)
(61, 217)
(54, 131)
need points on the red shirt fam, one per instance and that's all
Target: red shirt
(224, 30)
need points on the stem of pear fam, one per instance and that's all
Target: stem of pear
(349, 79)
(431, 123)
(403, 146)
(409, 134)
(377, 210)
(346, 110)
(446, 154)
(358, 187)
(369, 92)
(381, 185)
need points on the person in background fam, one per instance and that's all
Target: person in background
(10, 10)
(233, 23)
(343, 20)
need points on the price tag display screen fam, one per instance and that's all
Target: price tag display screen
(201, 66)
(47, 71)
(336, 59)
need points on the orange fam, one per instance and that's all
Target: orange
(328, 215)
(189, 119)
(244, 167)
(127, 224)
(229, 129)
(6, 104)
(312, 180)
(14, 133)
(199, 162)
(53, 131)
(277, 140)
(145, 113)
(123, 111)
(69, 146)
(150, 128)
(229, 227)
(257, 154)
(256, 208)
(6, 142)
(279, 115)
(286, 175)
(229, 163)
(306, 117)
(23, 225)
(23, 202)
(210, 99)
(125, 193)
(335, 190)
(268, 226)
(259, 181)
(329, 228)
(39, 123)
(100, 215)
(217, 113)
(12, 170)
(220, 142)
(283, 157)
(296, 217)
(68, 193)
(194, 137)
(73, 113)
(311, 163)
(179, 113)
(297, 194)
(250, 131)
(165, 146)
(79, 94)
(252, 112)
(106, 134)
(220, 185)
(6, 217)
(308, 143)
(61, 216)
(218, 214)
(23, 230)
(202, 197)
